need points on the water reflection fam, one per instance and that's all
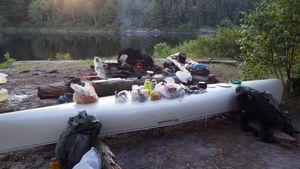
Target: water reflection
(43, 47)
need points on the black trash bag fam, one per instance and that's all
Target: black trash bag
(77, 139)
(262, 108)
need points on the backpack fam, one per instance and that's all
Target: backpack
(77, 139)
(261, 107)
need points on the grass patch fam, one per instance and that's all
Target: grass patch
(227, 71)
(7, 61)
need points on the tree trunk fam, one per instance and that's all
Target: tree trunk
(73, 16)
(95, 21)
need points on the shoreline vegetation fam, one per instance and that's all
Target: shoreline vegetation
(96, 31)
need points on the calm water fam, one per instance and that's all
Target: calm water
(43, 47)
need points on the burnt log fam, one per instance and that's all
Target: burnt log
(102, 87)
(53, 91)
(108, 87)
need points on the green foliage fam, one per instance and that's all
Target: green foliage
(2, 21)
(162, 50)
(13, 11)
(7, 61)
(270, 39)
(63, 56)
(127, 14)
(185, 27)
(224, 44)
(296, 68)
(226, 23)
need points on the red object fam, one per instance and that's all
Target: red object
(139, 65)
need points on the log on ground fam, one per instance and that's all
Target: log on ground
(108, 158)
(279, 136)
(102, 87)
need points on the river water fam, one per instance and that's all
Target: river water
(79, 46)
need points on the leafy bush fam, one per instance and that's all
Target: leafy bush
(226, 23)
(224, 44)
(185, 27)
(162, 50)
(296, 68)
(270, 39)
(7, 61)
(63, 56)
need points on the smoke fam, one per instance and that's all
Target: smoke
(131, 14)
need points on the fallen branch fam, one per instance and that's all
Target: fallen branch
(228, 62)
(279, 136)
(108, 158)
(52, 91)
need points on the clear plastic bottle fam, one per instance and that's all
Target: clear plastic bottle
(3, 94)
(134, 95)
(153, 84)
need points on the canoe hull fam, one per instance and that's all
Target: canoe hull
(41, 126)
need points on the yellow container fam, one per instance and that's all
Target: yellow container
(3, 94)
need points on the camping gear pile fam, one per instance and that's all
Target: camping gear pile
(74, 148)
(263, 109)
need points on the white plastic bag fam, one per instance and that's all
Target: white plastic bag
(90, 160)
(170, 89)
(84, 94)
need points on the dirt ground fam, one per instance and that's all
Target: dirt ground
(218, 143)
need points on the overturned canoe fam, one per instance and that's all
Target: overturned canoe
(41, 126)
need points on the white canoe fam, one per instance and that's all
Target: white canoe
(41, 126)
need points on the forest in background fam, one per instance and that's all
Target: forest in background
(121, 14)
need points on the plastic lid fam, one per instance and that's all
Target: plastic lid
(235, 81)
(3, 94)
(3, 78)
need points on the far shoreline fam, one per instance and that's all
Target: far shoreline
(95, 31)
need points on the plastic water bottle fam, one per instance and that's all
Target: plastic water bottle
(147, 86)
(153, 84)
(134, 95)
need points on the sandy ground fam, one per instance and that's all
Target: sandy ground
(217, 144)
